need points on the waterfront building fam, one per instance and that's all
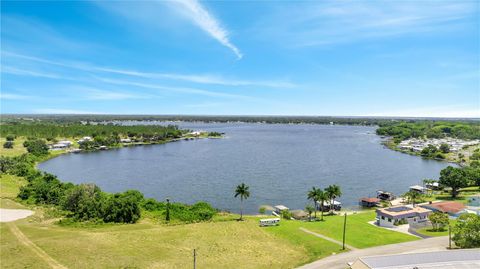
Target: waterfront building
(391, 216)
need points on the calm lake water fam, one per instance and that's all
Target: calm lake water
(279, 162)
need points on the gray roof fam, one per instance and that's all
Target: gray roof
(440, 259)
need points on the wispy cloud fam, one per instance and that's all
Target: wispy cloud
(12, 96)
(96, 94)
(25, 72)
(174, 89)
(333, 22)
(195, 78)
(199, 15)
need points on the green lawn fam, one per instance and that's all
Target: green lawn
(10, 185)
(360, 233)
(429, 230)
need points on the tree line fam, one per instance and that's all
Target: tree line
(401, 130)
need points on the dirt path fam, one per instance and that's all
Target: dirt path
(340, 261)
(327, 238)
(25, 241)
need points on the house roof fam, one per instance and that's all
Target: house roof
(281, 207)
(439, 259)
(370, 200)
(402, 210)
(447, 206)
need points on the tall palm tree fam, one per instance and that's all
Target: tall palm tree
(312, 195)
(321, 198)
(412, 196)
(333, 191)
(244, 193)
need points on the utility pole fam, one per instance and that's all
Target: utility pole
(194, 259)
(167, 217)
(344, 229)
(449, 237)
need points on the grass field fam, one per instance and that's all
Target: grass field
(359, 232)
(429, 232)
(17, 149)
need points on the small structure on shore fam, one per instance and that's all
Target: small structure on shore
(385, 195)
(417, 188)
(299, 214)
(391, 216)
(327, 205)
(369, 202)
(279, 208)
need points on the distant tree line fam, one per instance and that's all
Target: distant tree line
(401, 130)
(52, 130)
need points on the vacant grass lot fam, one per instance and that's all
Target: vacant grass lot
(360, 233)
(17, 149)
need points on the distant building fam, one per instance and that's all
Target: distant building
(446, 259)
(388, 217)
(337, 206)
(299, 214)
(417, 188)
(125, 140)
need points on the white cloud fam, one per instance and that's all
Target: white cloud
(95, 94)
(195, 78)
(25, 72)
(332, 22)
(11, 96)
(198, 14)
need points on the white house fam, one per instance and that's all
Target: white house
(388, 217)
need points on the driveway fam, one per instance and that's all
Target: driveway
(340, 261)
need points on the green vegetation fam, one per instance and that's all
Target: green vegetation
(332, 192)
(360, 233)
(439, 220)
(467, 231)
(401, 130)
(242, 192)
(455, 178)
(430, 231)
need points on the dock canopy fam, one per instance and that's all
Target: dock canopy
(417, 188)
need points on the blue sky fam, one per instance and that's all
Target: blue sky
(340, 58)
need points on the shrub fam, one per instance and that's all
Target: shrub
(36, 147)
(10, 137)
(8, 145)
(122, 207)
(262, 210)
(467, 231)
(85, 201)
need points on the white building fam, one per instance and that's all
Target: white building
(388, 217)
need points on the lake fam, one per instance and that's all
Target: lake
(280, 163)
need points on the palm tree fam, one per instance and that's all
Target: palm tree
(244, 193)
(412, 196)
(333, 191)
(321, 198)
(312, 195)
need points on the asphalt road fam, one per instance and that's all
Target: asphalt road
(340, 261)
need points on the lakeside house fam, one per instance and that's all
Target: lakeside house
(391, 216)
(299, 214)
(84, 139)
(279, 208)
(452, 208)
(337, 206)
(445, 259)
(369, 202)
(63, 144)
(125, 140)
(417, 188)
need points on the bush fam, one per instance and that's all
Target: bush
(36, 147)
(467, 231)
(10, 137)
(286, 214)
(261, 210)
(8, 145)
(122, 207)
(85, 201)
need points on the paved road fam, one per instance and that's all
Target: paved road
(340, 261)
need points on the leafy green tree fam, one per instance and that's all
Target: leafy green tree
(333, 191)
(310, 209)
(467, 231)
(455, 178)
(10, 137)
(8, 145)
(121, 207)
(439, 220)
(37, 147)
(444, 148)
(473, 175)
(243, 192)
(85, 201)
